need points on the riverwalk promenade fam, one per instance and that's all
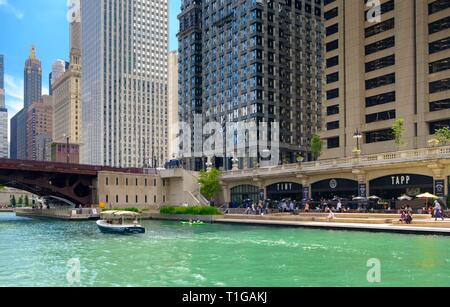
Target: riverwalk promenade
(422, 223)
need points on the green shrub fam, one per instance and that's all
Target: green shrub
(198, 210)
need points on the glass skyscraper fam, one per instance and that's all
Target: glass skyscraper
(124, 82)
(253, 61)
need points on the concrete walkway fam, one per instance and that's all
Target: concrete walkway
(435, 229)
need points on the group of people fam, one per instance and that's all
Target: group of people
(406, 215)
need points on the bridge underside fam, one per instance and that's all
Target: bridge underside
(75, 188)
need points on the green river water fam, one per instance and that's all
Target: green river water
(40, 253)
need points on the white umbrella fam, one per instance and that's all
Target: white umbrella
(373, 197)
(359, 198)
(404, 197)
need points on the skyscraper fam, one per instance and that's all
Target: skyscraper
(32, 79)
(253, 61)
(173, 103)
(124, 82)
(39, 129)
(67, 95)
(32, 93)
(382, 68)
(4, 152)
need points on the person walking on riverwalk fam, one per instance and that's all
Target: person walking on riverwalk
(437, 211)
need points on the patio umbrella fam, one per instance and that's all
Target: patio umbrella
(427, 195)
(404, 197)
(373, 197)
(359, 198)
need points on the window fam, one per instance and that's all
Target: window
(440, 86)
(440, 105)
(326, 2)
(437, 6)
(332, 110)
(439, 25)
(333, 125)
(107, 181)
(385, 7)
(334, 77)
(379, 136)
(332, 61)
(331, 13)
(380, 99)
(380, 63)
(439, 125)
(439, 45)
(380, 27)
(380, 81)
(331, 94)
(440, 65)
(332, 29)
(333, 143)
(332, 45)
(376, 117)
(380, 45)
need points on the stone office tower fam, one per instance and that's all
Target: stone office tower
(253, 60)
(124, 82)
(4, 148)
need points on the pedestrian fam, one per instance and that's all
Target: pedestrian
(437, 211)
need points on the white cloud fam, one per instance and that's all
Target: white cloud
(13, 86)
(11, 9)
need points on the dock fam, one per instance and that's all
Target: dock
(60, 214)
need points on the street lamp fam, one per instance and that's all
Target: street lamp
(358, 136)
(67, 137)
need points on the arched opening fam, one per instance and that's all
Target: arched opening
(334, 187)
(243, 193)
(285, 190)
(394, 186)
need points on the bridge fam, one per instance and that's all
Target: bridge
(74, 183)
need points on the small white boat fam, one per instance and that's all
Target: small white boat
(120, 222)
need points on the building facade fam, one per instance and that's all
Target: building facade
(124, 82)
(252, 61)
(173, 127)
(39, 129)
(65, 153)
(385, 63)
(67, 95)
(4, 148)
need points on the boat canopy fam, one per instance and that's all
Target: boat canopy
(119, 214)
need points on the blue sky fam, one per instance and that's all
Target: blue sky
(42, 23)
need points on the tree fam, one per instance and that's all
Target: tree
(398, 128)
(20, 202)
(316, 147)
(443, 136)
(27, 201)
(210, 183)
(13, 201)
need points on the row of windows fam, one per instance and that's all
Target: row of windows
(380, 81)
(333, 125)
(439, 45)
(380, 45)
(439, 25)
(440, 105)
(380, 99)
(440, 65)
(331, 14)
(380, 27)
(440, 86)
(380, 63)
(127, 181)
(437, 6)
(136, 199)
(334, 77)
(380, 116)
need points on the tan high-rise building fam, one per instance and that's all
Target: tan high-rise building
(173, 103)
(67, 95)
(385, 60)
(39, 129)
